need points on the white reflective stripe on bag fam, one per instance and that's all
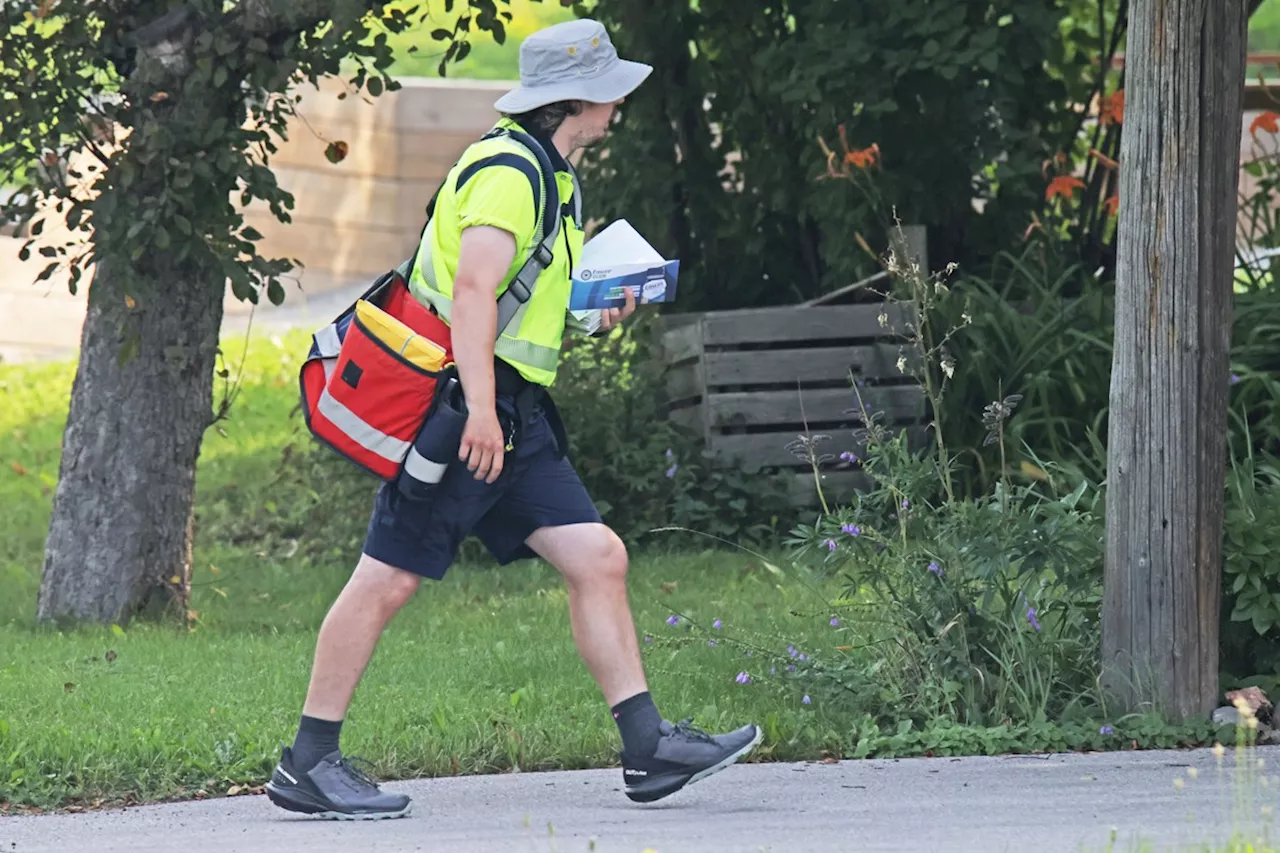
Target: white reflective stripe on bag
(327, 341)
(370, 438)
(423, 469)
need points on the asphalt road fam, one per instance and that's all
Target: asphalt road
(1040, 803)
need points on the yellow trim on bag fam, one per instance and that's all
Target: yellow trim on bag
(414, 348)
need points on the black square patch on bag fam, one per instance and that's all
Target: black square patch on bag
(351, 374)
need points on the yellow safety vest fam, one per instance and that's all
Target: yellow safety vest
(511, 195)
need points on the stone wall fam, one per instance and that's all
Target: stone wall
(357, 218)
(352, 220)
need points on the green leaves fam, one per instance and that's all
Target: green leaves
(199, 126)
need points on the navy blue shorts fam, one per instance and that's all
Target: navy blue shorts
(538, 487)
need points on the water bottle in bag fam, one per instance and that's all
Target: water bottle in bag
(436, 445)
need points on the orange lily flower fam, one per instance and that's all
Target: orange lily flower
(1112, 108)
(863, 158)
(1063, 185)
(1268, 121)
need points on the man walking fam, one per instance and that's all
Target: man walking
(512, 484)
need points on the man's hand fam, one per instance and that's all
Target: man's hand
(483, 445)
(610, 317)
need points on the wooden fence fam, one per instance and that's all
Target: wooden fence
(751, 382)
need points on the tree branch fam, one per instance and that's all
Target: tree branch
(162, 28)
(268, 18)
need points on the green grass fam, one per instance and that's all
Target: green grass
(479, 673)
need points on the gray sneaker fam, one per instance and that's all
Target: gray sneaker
(684, 755)
(333, 789)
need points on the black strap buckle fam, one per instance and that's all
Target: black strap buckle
(543, 255)
(519, 290)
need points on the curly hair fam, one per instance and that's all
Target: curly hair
(548, 119)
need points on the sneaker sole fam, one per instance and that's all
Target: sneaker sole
(658, 794)
(307, 806)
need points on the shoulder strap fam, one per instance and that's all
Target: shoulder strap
(520, 289)
(546, 197)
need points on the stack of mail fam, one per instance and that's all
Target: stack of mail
(616, 259)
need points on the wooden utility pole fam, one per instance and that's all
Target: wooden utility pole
(1179, 164)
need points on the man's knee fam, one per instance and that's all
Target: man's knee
(382, 584)
(611, 561)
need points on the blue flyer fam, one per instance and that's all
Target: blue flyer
(650, 284)
(616, 259)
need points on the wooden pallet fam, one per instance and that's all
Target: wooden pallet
(750, 380)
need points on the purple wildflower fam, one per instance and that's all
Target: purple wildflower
(669, 453)
(791, 667)
(773, 670)
(671, 472)
(712, 643)
(806, 700)
(906, 503)
(935, 568)
(673, 619)
(851, 529)
(835, 623)
(1234, 379)
(743, 678)
(648, 638)
(791, 650)
(802, 656)
(1031, 617)
(831, 544)
(848, 457)
(716, 624)
(1106, 730)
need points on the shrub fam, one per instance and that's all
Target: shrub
(643, 471)
(986, 605)
(987, 599)
(965, 103)
(1250, 634)
(1026, 335)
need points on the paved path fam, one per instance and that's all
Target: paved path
(42, 320)
(1042, 804)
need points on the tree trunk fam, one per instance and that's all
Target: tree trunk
(120, 535)
(1167, 446)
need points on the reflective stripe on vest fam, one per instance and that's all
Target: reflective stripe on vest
(526, 352)
(370, 438)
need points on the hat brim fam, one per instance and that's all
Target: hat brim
(614, 85)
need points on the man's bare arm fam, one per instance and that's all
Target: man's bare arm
(485, 257)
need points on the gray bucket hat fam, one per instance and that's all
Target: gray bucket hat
(572, 61)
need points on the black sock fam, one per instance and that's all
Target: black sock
(316, 738)
(638, 720)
